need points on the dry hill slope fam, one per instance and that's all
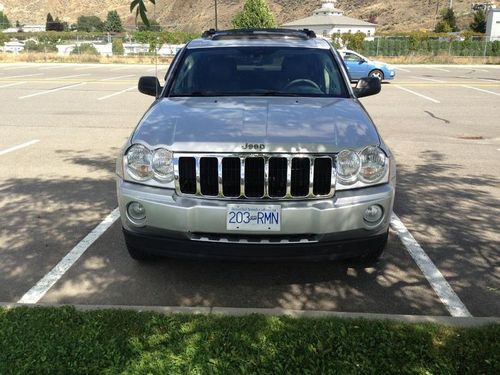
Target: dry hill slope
(197, 15)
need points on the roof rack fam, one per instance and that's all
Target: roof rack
(258, 33)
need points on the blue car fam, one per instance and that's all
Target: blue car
(360, 66)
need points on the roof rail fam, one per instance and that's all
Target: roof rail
(258, 33)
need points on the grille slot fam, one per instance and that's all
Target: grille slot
(187, 172)
(282, 176)
(322, 176)
(208, 176)
(300, 177)
(254, 177)
(231, 175)
(277, 177)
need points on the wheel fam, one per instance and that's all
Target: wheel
(301, 81)
(375, 253)
(377, 74)
(138, 254)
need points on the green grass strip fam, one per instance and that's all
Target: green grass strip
(67, 341)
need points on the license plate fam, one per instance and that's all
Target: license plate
(253, 217)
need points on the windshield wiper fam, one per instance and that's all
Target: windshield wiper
(199, 93)
(275, 93)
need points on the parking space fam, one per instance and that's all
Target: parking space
(56, 189)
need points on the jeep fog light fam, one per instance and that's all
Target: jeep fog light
(136, 211)
(373, 214)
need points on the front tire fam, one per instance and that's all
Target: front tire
(377, 74)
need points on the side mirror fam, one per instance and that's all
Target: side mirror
(367, 86)
(149, 86)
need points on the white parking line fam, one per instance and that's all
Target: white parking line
(112, 78)
(488, 80)
(440, 69)
(122, 68)
(18, 147)
(417, 94)
(24, 75)
(71, 76)
(89, 67)
(12, 84)
(52, 90)
(54, 67)
(443, 290)
(471, 68)
(403, 70)
(485, 91)
(429, 79)
(117, 93)
(45, 283)
(19, 67)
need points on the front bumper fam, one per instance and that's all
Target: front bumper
(330, 228)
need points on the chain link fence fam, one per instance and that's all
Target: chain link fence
(475, 46)
(95, 46)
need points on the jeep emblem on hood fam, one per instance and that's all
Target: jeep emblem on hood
(255, 146)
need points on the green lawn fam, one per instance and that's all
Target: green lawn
(65, 341)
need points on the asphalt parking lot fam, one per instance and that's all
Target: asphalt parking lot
(61, 127)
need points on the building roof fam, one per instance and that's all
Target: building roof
(328, 20)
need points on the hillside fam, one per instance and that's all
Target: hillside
(197, 15)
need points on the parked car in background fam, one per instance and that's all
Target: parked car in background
(360, 66)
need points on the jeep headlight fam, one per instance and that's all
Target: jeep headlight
(162, 165)
(368, 167)
(373, 164)
(348, 165)
(139, 159)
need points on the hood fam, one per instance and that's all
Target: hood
(381, 64)
(275, 124)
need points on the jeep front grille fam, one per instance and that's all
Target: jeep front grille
(255, 176)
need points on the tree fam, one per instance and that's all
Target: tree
(53, 25)
(255, 14)
(4, 21)
(113, 22)
(353, 41)
(140, 9)
(443, 27)
(448, 22)
(89, 24)
(479, 23)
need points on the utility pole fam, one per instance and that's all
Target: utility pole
(451, 4)
(216, 15)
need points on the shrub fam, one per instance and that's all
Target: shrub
(85, 49)
(117, 46)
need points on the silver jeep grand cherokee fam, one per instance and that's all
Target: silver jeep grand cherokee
(256, 148)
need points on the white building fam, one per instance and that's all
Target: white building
(14, 46)
(493, 25)
(11, 30)
(329, 20)
(34, 28)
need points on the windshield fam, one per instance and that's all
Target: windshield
(250, 71)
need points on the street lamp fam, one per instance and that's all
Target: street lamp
(215, 14)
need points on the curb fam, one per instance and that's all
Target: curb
(235, 311)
